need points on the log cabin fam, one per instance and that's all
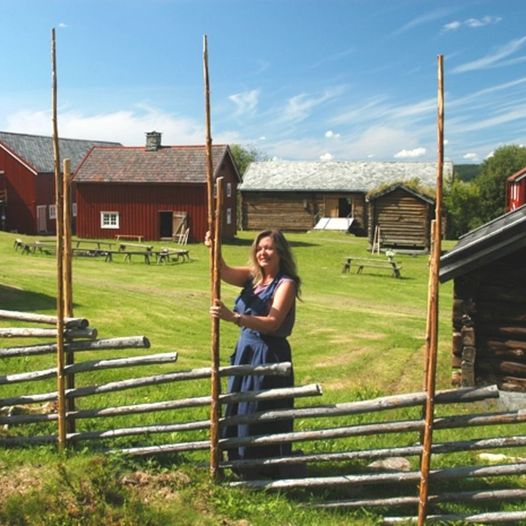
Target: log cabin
(296, 195)
(152, 191)
(489, 307)
(401, 217)
(27, 179)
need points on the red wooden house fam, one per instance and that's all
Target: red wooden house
(148, 191)
(27, 184)
(516, 190)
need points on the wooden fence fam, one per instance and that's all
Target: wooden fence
(339, 436)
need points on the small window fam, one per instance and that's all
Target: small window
(52, 211)
(228, 216)
(229, 189)
(74, 209)
(109, 219)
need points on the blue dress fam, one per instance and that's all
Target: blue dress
(254, 348)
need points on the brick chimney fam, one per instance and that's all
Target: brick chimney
(153, 141)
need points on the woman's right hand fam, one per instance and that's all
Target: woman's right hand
(208, 239)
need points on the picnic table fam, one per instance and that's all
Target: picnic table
(361, 263)
(133, 237)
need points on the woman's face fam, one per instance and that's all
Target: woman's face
(267, 256)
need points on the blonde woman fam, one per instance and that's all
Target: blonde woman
(265, 312)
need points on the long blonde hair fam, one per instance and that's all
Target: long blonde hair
(287, 263)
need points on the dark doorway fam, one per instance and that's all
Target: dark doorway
(165, 224)
(344, 207)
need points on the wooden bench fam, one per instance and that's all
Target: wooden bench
(146, 254)
(79, 243)
(123, 247)
(133, 237)
(167, 254)
(361, 263)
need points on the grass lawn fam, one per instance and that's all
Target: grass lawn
(359, 336)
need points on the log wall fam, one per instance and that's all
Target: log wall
(296, 211)
(404, 219)
(489, 325)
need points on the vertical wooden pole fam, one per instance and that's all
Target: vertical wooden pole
(425, 460)
(68, 284)
(60, 254)
(215, 278)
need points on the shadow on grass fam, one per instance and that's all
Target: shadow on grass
(12, 298)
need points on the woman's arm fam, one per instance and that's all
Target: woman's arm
(281, 304)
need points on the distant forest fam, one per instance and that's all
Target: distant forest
(466, 172)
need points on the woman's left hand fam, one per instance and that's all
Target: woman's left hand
(220, 311)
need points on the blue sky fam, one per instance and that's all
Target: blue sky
(296, 79)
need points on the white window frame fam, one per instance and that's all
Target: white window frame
(109, 220)
(52, 211)
(228, 216)
(229, 189)
(74, 209)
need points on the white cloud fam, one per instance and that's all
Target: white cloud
(490, 154)
(452, 26)
(62, 25)
(127, 126)
(329, 134)
(246, 102)
(326, 157)
(471, 23)
(424, 19)
(416, 152)
(300, 106)
(470, 156)
(493, 58)
(262, 138)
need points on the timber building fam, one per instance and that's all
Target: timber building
(401, 218)
(27, 179)
(152, 190)
(295, 195)
(489, 307)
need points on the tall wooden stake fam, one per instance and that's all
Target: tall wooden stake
(68, 283)
(61, 395)
(215, 277)
(425, 460)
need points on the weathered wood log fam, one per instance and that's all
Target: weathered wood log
(496, 517)
(463, 395)
(128, 342)
(29, 440)
(467, 334)
(509, 383)
(405, 451)
(70, 323)
(26, 332)
(512, 354)
(467, 366)
(514, 331)
(508, 313)
(92, 365)
(162, 449)
(457, 343)
(385, 478)
(515, 369)
(460, 496)
(193, 374)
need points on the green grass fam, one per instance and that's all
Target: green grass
(359, 336)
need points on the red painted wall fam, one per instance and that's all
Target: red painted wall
(516, 194)
(139, 205)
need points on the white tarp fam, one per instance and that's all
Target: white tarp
(334, 223)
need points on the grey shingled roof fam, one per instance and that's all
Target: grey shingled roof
(489, 242)
(37, 150)
(168, 164)
(336, 176)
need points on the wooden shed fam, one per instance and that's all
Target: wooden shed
(296, 195)
(151, 191)
(27, 180)
(489, 307)
(516, 190)
(401, 218)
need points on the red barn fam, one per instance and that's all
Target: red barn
(27, 181)
(147, 191)
(516, 190)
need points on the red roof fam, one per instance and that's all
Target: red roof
(168, 164)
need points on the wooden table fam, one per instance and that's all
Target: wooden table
(361, 263)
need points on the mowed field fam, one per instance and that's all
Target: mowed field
(358, 336)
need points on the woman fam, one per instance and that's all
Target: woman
(265, 311)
